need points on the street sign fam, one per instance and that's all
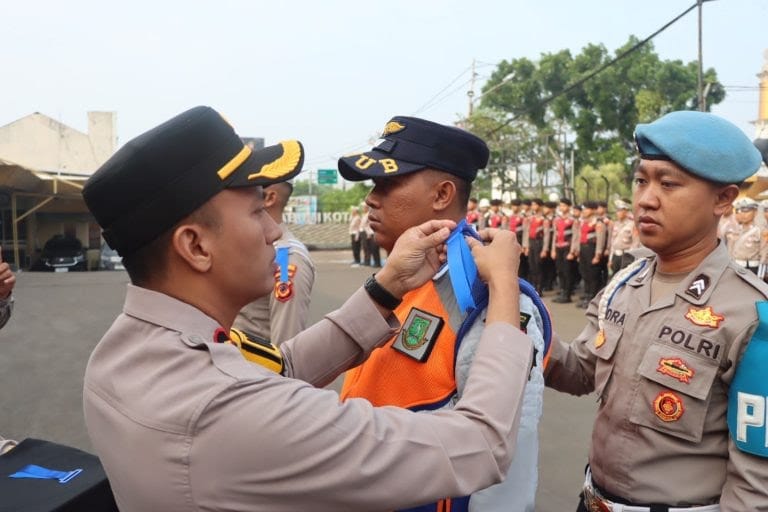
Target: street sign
(327, 176)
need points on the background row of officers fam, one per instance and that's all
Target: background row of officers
(565, 244)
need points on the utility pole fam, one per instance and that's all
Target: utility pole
(471, 91)
(702, 106)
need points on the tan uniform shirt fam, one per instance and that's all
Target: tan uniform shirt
(184, 424)
(745, 244)
(283, 313)
(622, 236)
(662, 374)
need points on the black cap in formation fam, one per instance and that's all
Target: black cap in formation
(515, 202)
(566, 201)
(537, 200)
(411, 144)
(550, 204)
(163, 175)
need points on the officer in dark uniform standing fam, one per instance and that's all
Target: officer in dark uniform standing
(602, 214)
(533, 243)
(548, 271)
(524, 214)
(591, 245)
(560, 250)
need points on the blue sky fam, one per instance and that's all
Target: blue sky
(331, 73)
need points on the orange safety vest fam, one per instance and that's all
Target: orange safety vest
(389, 377)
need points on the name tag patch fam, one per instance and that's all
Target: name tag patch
(418, 335)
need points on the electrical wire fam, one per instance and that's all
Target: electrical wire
(592, 74)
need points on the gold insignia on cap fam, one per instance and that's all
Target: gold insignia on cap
(234, 163)
(283, 164)
(392, 127)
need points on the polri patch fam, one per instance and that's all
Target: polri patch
(676, 368)
(418, 335)
(704, 317)
(698, 286)
(668, 406)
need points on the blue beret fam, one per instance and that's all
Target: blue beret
(411, 144)
(701, 143)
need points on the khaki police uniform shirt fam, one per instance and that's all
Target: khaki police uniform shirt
(285, 312)
(184, 424)
(622, 236)
(745, 244)
(662, 373)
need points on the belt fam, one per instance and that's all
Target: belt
(747, 263)
(595, 502)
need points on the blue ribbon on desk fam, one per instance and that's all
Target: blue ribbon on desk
(35, 471)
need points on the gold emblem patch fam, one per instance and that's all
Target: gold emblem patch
(600, 338)
(668, 406)
(704, 317)
(392, 127)
(284, 290)
(676, 368)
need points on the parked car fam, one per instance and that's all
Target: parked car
(61, 254)
(109, 259)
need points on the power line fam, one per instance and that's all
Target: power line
(423, 107)
(602, 68)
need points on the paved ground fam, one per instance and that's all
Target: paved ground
(60, 317)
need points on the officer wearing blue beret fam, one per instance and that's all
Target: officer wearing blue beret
(667, 338)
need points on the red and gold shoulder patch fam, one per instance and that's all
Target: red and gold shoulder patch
(676, 368)
(668, 406)
(704, 317)
(284, 290)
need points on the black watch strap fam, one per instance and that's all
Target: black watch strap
(380, 295)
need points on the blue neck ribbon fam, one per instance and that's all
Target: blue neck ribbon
(468, 288)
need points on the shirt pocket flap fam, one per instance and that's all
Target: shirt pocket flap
(678, 370)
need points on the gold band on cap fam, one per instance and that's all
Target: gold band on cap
(233, 164)
(283, 164)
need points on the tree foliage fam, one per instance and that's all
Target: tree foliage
(330, 198)
(528, 119)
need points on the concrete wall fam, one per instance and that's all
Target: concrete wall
(42, 143)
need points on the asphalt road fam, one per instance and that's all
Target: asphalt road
(59, 318)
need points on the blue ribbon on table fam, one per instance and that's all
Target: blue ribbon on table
(35, 471)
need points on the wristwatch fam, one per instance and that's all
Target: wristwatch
(380, 295)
